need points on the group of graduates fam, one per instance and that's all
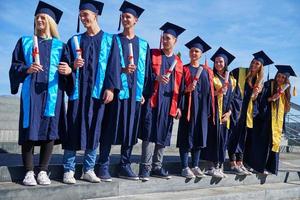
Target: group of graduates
(120, 91)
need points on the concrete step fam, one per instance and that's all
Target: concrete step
(9, 116)
(11, 167)
(276, 191)
(248, 187)
(9, 99)
(9, 124)
(9, 136)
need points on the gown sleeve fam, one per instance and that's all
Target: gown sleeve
(235, 105)
(68, 83)
(148, 84)
(17, 71)
(113, 71)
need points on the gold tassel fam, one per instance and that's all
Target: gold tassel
(294, 91)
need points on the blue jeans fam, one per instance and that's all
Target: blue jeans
(88, 162)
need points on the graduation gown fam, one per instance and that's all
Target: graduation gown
(238, 133)
(217, 137)
(193, 133)
(157, 123)
(85, 113)
(40, 126)
(122, 116)
(258, 153)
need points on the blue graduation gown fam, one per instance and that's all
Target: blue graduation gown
(258, 151)
(85, 114)
(157, 123)
(40, 127)
(238, 134)
(217, 137)
(193, 133)
(122, 117)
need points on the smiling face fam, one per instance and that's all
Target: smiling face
(195, 54)
(255, 66)
(219, 64)
(280, 78)
(88, 18)
(128, 20)
(41, 22)
(168, 41)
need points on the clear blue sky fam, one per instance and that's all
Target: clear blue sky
(241, 26)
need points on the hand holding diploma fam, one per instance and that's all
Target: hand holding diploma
(79, 62)
(131, 67)
(196, 78)
(257, 89)
(277, 95)
(225, 86)
(170, 70)
(36, 53)
(36, 65)
(130, 58)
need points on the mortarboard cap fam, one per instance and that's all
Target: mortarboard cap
(285, 69)
(197, 42)
(50, 10)
(228, 57)
(131, 8)
(92, 5)
(263, 58)
(172, 29)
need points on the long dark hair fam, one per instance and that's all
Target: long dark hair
(287, 94)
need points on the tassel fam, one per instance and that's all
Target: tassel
(294, 91)
(78, 24)
(160, 41)
(119, 27)
(268, 77)
(179, 54)
(206, 62)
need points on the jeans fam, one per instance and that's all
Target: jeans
(148, 154)
(88, 162)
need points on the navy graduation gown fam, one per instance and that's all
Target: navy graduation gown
(40, 127)
(85, 114)
(258, 151)
(157, 123)
(217, 137)
(193, 133)
(238, 134)
(122, 117)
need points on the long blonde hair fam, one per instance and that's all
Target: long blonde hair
(259, 75)
(51, 27)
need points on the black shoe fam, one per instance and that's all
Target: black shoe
(127, 173)
(103, 173)
(144, 173)
(160, 173)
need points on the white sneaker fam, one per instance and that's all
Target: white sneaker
(69, 177)
(187, 173)
(215, 173)
(248, 172)
(198, 173)
(90, 176)
(222, 173)
(29, 179)
(43, 178)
